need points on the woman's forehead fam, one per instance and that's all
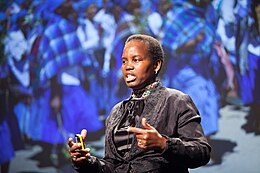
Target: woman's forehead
(136, 45)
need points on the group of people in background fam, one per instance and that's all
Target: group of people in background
(60, 62)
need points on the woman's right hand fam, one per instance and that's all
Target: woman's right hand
(77, 154)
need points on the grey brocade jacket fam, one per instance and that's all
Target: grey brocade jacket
(175, 116)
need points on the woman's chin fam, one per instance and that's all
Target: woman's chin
(131, 85)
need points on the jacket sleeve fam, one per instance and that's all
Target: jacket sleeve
(94, 165)
(190, 148)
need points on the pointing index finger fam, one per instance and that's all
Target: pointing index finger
(135, 130)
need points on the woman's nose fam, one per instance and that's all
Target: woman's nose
(129, 66)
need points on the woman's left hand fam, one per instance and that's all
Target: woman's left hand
(148, 137)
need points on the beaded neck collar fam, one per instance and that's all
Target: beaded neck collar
(142, 93)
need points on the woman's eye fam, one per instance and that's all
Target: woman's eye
(136, 60)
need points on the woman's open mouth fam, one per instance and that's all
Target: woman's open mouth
(130, 78)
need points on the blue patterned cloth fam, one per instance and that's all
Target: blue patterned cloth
(184, 24)
(60, 48)
(189, 70)
(125, 28)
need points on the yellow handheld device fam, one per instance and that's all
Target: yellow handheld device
(79, 139)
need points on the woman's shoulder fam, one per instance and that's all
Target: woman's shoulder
(174, 91)
(164, 92)
(175, 94)
(116, 107)
(113, 111)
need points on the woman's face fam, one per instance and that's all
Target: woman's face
(137, 67)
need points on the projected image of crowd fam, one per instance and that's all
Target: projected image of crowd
(60, 63)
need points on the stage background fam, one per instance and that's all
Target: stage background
(60, 72)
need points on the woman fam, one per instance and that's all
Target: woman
(156, 129)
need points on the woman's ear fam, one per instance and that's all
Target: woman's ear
(157, 66)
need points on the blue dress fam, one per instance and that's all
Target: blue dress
(78, 112)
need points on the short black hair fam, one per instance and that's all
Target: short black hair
(155, 49)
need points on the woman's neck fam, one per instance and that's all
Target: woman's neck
(144, 92)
